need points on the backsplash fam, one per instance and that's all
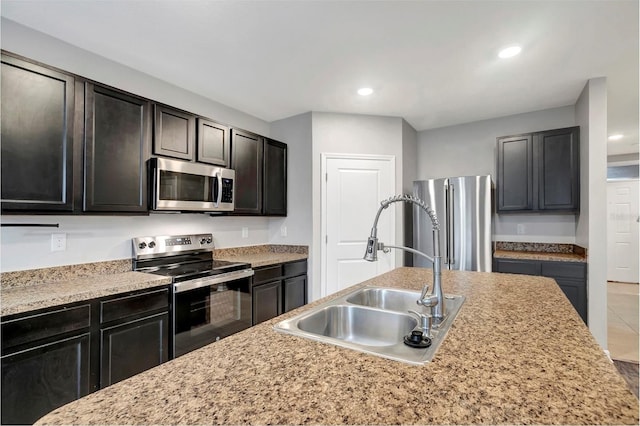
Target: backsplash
(539, 247)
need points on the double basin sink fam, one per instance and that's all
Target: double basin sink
(372, 320)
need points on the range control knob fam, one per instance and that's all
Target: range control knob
(152, 244)
(142, 245)
(209, 240)
(203, 241)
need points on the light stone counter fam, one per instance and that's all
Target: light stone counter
(263, 255)
(517, 353)
(530, 255)
(18, 299)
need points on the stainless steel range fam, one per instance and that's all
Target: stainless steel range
(211, 298)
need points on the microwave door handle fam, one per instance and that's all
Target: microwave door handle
(217, 193)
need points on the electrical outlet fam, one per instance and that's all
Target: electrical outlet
(520, 229)
(58, 242)
(283, 231)
(245, 232)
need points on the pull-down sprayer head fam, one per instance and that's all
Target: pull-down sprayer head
(371, 254)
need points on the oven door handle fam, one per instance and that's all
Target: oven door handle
(208, 281)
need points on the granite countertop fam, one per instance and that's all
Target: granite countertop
(23, 291)
(23, 298)
(511, 356)
(533, 255)
(264, 255)
(539, 251)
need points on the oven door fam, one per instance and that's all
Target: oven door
(206, 314)
(184, 186)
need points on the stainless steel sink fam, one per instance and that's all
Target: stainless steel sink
(355, 324)
(386, 298)
(372, 320)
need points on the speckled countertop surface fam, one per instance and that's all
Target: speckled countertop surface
(24, 298)
(532, 255)
(263, 255)
(539, 251)
(517, 353)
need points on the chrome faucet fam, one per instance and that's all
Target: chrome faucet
(435, 300)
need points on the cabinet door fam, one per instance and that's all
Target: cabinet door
(246, 160)
(509, 266)
(557, 159)
(133, 347)
(117, 133)
(576, 292)
(267, 301)
(295, 292)
(275, 178)
(39, 380)
(174, 133)
(213, 143)
(515, 173)
(37, 137)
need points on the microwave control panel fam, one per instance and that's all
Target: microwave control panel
(227, 190)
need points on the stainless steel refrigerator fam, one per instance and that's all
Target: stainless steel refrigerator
(463, 208)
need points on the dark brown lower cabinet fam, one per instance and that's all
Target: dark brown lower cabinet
(267, 301)
(54, 356)
(278, 289)
(38, 380)
(133, 347)
(570, 276)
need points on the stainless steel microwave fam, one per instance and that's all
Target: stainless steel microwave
(191, 187)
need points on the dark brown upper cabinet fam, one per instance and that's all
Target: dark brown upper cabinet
(274, 197)
(117, 140)
(174, 133)
(539, 172)
(37, 137)
(261, 174)
(246, 159)
(213, 143)
(515, 173)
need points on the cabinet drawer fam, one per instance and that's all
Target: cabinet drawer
(268, 273)
(518, 267)
(136, 304)
(295, 268)
(44, 325)
(564, 269)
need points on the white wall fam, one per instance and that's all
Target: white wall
(296, 131)
(351, 134)
(102, 238)
(591, 227)
(99, 238)
(470, 149)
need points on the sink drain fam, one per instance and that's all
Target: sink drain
(417, 340)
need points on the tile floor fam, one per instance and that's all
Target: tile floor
(622, 321)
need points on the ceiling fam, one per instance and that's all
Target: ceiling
(432, 62)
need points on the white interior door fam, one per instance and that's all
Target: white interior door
(622, 231)
(353, 187)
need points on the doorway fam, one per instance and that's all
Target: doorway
(352, 188)
(622, 270)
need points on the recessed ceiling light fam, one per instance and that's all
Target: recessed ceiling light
(616, 137)
(509, 52)
(365, 91)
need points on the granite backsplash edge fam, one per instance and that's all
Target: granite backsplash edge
(540, 247)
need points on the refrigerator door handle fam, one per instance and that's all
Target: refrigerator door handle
(447, 202)
(452, 229)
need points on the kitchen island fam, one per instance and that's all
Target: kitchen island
(517, 353)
